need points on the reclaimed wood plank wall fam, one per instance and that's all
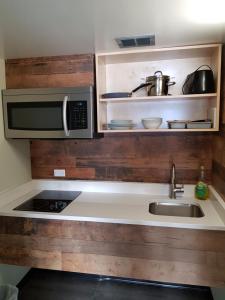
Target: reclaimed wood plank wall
(131, 157)
(54, 71)
(175, 255)
(218, 169)
(128, 158)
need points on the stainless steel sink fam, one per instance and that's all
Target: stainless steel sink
(176, 209)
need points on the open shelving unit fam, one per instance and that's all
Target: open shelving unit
(122, 72)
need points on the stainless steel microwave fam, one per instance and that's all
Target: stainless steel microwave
(53, 113)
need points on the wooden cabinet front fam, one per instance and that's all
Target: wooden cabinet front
(143, 252)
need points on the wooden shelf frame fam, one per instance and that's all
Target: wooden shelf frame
(107, 80)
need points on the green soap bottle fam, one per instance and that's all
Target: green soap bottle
(201, 188)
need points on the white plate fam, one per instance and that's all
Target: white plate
(118, 122)
(121, 126)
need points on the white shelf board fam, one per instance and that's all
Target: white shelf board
(153, 53)
(153, 98)
(157, 130)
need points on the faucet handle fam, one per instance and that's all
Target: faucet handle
(179, 188)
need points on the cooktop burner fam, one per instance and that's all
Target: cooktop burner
(49, 201)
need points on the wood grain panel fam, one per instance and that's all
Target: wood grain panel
(219, 166)
(128, 158)
(143, 252)
(165, 271)
(58, 71)
(218, 169)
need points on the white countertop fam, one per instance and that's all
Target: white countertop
(116, 202)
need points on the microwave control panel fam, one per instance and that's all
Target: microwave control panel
(78, 115)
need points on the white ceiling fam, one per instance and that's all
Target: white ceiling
(57, 27)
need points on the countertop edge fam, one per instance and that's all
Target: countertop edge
(117, 221)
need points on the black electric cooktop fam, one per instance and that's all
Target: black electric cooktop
(49, 201)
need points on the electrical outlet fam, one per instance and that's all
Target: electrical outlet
(59, 172)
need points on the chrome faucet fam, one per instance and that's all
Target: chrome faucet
(174, 189)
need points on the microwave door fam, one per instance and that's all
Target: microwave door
(36, 119)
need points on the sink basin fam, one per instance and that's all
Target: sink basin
(176, 209)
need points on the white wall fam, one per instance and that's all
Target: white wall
(14, 155)
(14, 170)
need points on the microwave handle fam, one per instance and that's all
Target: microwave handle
(65, 127)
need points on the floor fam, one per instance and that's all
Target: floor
(55, 285)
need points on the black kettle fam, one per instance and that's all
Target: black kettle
(199, 82)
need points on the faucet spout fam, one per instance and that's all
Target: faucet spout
(174, 189)
(173, 174)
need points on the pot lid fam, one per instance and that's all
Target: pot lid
(157, 74)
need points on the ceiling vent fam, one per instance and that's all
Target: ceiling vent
(137, 41)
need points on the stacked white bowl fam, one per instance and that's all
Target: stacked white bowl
(151, 123)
